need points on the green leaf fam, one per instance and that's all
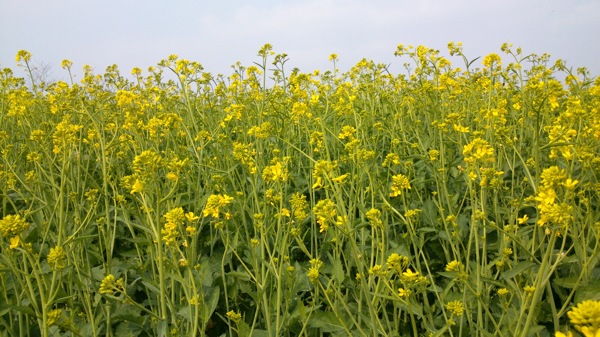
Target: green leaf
(260, 333)
(23, 309)
(337, 271)
(589, 292)
(326, 322)
(211, 300)
(568, 282)
(238, 274)
(128, 329)
(517, 269)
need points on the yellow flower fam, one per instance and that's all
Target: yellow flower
(340, 179)
(560, 334)
(214, 203)
(586, 318)
(396, 261)
(191, 217)
(175, 216)
(14, 242)
(23, 55)
(11, 225)
(275, 172)
(434, 155)
(479, 150)
(53, 317)
(570, 183)
(234, 316)
(492, 59)
(456, 308)
(399, 183)
(502, 291)
(454, 266)
(325, 212)
(66, 64)
(110, 285)
(523, 220)
(410, 275)
(404, 292)
(138, 187)
(56, 258)
(313, 274)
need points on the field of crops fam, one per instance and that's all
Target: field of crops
(454, 199)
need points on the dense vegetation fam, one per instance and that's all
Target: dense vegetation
(444, 201)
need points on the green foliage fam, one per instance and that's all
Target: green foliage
(441, 202)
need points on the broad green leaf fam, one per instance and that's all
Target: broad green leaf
(326, 321)
(589, 292)
(517, 269)
(211, 300)
(568, 282)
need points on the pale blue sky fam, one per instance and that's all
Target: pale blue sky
(217, 33)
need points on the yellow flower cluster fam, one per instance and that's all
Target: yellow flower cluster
(215, 203)
(173, 220)
(325, 212)
(313, 270)
(551, 209)
(322, 173)
(275, 172)
(374, 216)
(65, 135)
(299, 206)
(397, 262)
(456, 308)
(12, 225)
(478, 151)
(110, 285)
(244, 153)
(57, 258)
(399, 183)
(585, 316)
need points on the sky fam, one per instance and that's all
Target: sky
(218, 33)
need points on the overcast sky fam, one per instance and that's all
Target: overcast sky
(217, 33)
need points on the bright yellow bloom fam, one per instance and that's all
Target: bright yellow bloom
(214, 204)
(502, 291)
(410, 275)
(404, 292)
(176, 216)
(586, 318)
(138, 187)
(479, 150)
(325, 212)
(14, 242)
(560, 334)
(456, 308)
(234, 316)
(57, 257)
(523, 220)
(454, 266)
(11, 225)
(492, 59)
(399, 183)
(191, 217)
(23, 55)
(110, 285)
(275, 172)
